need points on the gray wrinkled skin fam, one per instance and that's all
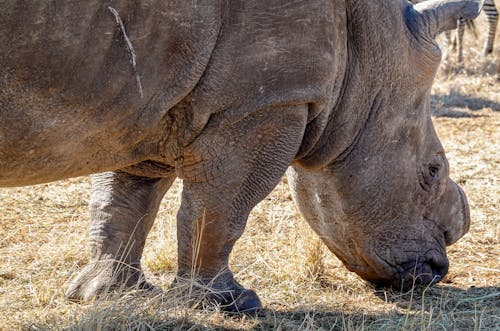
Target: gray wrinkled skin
(226, 95)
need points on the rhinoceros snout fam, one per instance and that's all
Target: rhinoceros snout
(420, 273)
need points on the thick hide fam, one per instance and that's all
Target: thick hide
(227, 95)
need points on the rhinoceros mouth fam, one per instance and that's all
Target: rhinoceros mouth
(423, 271)
(425, 267)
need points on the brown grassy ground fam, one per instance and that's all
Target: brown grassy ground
(43, 243)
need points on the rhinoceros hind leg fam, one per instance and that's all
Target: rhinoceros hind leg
(122, 210)
(230, 168)
(102, 278)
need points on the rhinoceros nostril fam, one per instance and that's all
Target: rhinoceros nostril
(438, 269)
(432, 271)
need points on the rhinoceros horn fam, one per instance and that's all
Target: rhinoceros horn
(442, 15)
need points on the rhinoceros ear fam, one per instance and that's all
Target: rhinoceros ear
(442, 15)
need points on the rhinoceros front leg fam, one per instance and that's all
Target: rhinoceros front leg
(122, 210)
(233, 166)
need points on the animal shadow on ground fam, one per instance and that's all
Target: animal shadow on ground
(306, 318)
(451, 297)
(441, 307)
(458, 105)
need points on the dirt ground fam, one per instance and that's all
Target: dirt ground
(43, 231)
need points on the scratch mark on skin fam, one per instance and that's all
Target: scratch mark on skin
(130, 49)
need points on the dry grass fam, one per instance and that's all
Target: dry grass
(43, 235)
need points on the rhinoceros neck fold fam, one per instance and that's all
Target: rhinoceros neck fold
(367, 75)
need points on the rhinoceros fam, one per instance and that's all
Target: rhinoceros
(228, 95)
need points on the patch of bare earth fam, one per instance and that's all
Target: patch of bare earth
(43, 231)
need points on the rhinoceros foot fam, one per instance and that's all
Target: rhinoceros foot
(223, 292)
(104, 277)
(237, 301)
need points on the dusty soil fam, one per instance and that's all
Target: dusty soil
(43, 244)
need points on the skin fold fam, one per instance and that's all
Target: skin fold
(233, 93)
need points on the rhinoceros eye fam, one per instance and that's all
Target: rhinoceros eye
(433, 172)
(428, 176)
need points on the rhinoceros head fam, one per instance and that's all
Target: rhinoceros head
(385, 205)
